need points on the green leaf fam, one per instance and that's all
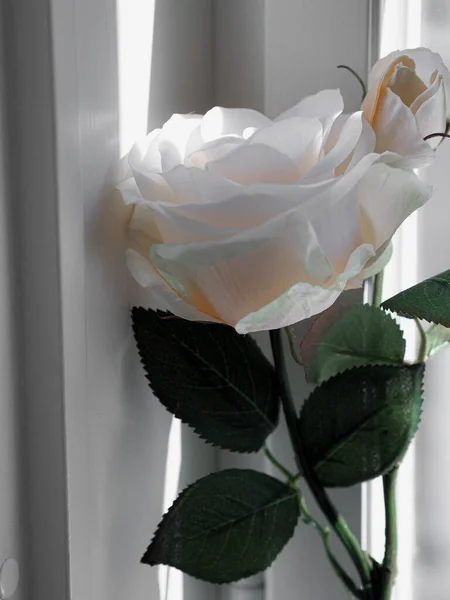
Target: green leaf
(429, 300)
(210, 377)
(226, 526)
(438, 338)
(364, 335)
(358, 425)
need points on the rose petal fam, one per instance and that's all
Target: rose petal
(179, 138)
(430, 110)
(219, 122)
(255, 163)
(213, 151)
(387, 197)
(397, 131)
(406, 84)
(302, 300)
(374, 266)
(427, 63)
(326, 105)
(195, 186)
(299, 138)
(158, 294)
(145, 154)
(238, 275)
(350, 133)
(379, 79)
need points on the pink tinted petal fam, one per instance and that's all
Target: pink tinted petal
(238, 275)
(157, 294)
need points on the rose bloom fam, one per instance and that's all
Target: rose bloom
(256, 223)
(406, 101)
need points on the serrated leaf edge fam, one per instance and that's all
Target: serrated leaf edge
(372, 363)
(136, 309)
(364, 367)
(181, 497)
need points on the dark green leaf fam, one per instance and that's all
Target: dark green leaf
(358, 425)
(438, 338)
(364, 335)
(210, 377)
(429, 300)
(226, 526)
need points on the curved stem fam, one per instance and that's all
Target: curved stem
(336, 521)
(281, 468)
(308, 519)
(292, 340)
(390, 555)
(325, 533)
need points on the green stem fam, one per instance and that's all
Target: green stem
(325, 533)
(423, 342)
(292, 341)
(281, 468)
(390, 480)
(336, 521)
(308, 519)
(390, 555)
(377, 295)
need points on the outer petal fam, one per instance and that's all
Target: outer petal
(145, 154)
(230, 278)
(374, 266)
(427, 63)
(326, 105)
(219, 122)
(396, 130)
(303, 300)
(145, 164)
(158, 294)
(430, 109)
(379, 80)
(387, 197)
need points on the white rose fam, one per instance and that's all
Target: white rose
(259, 224)
(406, 101)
